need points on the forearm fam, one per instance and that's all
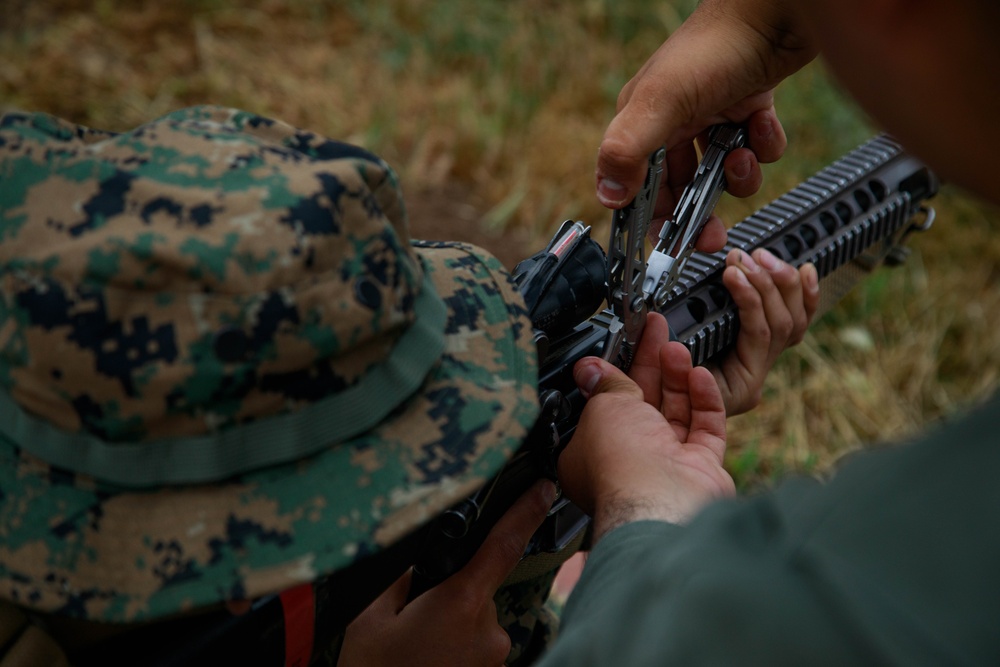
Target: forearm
(721, 65)
(773, 28)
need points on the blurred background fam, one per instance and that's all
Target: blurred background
(492, 112)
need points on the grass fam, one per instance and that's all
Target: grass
(509, 101)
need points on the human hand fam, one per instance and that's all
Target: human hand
(721, 65)
(776, 305)
(649, 448)
(454, 623)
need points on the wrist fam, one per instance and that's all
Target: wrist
(620, 509)
(660, 503)
(775, 25)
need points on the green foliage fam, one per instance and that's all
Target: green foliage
(744, 464)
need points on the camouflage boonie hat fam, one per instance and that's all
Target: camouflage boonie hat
(225, 368)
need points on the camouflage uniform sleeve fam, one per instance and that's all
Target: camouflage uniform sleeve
(525, 612)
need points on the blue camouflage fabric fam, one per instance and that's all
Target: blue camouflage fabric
(225, 370)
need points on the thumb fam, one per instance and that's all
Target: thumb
(623, 157)
(595, 376)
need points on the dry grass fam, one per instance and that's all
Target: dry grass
(507, 102)
(911, 345)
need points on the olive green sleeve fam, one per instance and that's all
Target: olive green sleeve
(892, 562)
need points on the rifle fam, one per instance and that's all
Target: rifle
(848, 219)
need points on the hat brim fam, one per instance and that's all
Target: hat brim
(72, 545)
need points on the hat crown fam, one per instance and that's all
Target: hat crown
(225, 370)
(204, 270)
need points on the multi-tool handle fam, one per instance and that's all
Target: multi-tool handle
(678, 236)
(627, 266)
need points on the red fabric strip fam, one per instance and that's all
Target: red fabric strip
(299, 609)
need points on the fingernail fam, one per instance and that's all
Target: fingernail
(611, 193)
(747, 261)
(763, 128)
(767, 260)
(587, 376)
(741, 277)
(811, 278)
(548, 491)
(742, 169)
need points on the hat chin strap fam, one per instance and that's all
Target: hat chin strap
(240, 449)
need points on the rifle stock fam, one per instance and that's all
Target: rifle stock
(847, 220)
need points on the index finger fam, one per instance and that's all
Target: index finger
(645, 368)
(503, 547)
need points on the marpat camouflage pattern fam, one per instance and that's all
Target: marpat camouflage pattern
(225, 368)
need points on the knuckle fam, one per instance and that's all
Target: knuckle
(612, 392)
(801, 323)
(751, 398)
(759, 331)
(785, 275)
(619, 150)
(625, 95)
(763, 282)
(599, 402)
(783, 326)
(500, 646)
